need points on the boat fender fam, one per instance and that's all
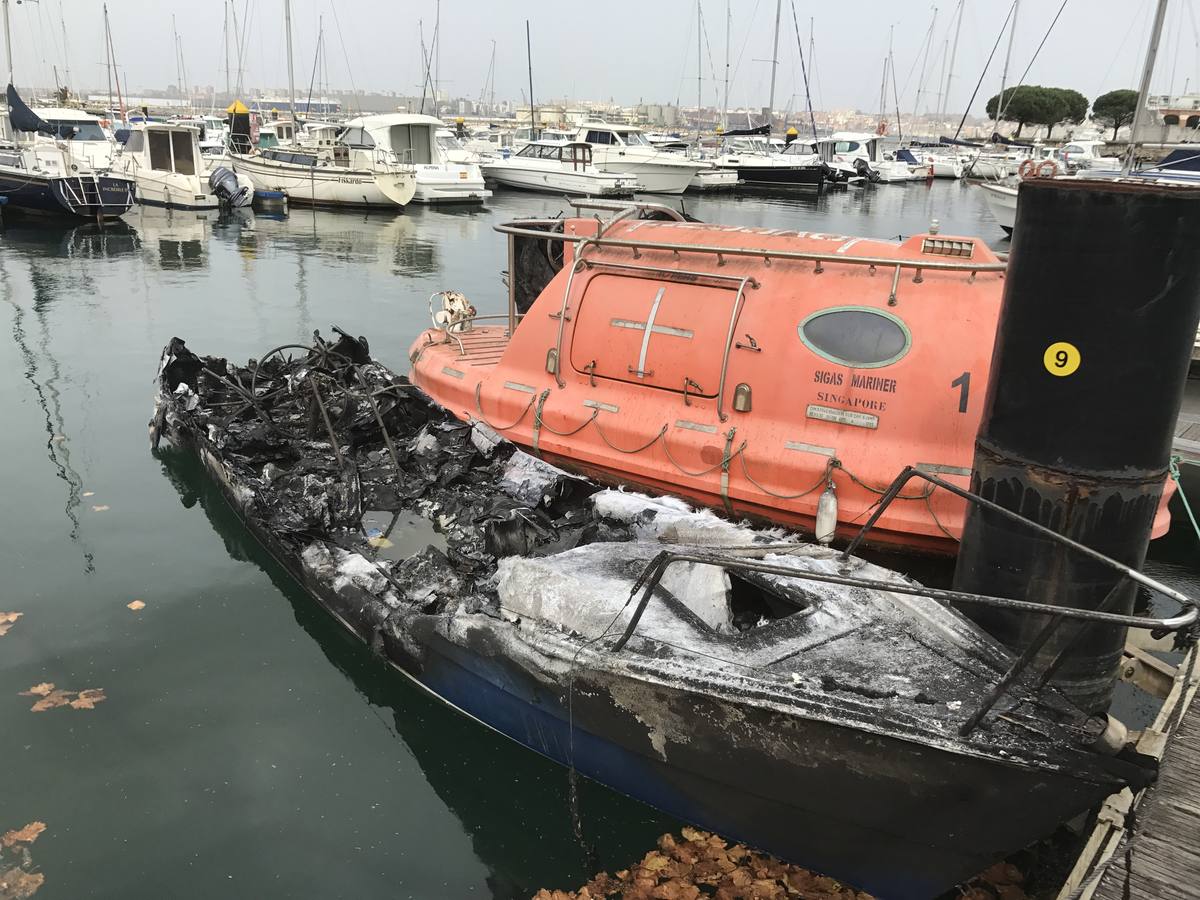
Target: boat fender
(1109, 735)
(827, 513)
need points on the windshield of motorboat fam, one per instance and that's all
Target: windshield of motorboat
(635, 139)
(450, 142)
(357, 138)
(79, 130)
(798, 148)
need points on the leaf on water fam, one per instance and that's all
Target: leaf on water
(89, 493)
(17, 884)
(52, 698)
(26, 835)
(6, 621)
(379, 543)
(101, 508)
(88, 698)
(136, 605)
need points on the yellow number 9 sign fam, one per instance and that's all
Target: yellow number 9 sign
(1061, 358)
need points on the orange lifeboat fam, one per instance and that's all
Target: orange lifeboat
(752, 370)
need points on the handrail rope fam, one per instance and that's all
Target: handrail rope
(483, 418)
(717, 465)
(540, 422)
(821, 479)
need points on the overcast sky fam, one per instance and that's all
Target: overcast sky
(626, 50)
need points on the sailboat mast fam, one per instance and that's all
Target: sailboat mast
(1001, 104)
(287, 23)
(7, 42)
(725, 105)
(66, 52)
(699, 68)
(112, 56)
(925, 63)
(1160, 15)
(108, 69)
(533, 133)
(774, 65)
(953, 55)
(225, 35)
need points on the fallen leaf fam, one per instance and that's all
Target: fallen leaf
(16, 884)
(136, 605)
(53, 700)
(89, 493)
(380, 543)
(26, 835)
(88, 698)
(6, 621)
(39, 690)
(101, 508)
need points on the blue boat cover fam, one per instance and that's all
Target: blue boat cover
(21, 117)
(905, 156)
(1181, 160)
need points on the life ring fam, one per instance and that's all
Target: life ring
(1027, 168)
(1041, 169)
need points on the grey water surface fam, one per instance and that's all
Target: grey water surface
(248, 748)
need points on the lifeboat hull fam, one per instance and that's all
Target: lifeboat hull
(746, 381)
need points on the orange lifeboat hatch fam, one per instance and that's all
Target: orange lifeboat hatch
(744, 369)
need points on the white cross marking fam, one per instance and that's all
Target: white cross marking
(648, 328)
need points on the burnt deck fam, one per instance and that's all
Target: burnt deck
(1165, 860)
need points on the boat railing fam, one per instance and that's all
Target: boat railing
(744, 561)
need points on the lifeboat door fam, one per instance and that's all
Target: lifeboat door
(661, 332)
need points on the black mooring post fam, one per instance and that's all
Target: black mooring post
(1101, 302)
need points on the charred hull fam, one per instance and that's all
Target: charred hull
(826, 736)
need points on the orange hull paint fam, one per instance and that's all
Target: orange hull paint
(650, 363)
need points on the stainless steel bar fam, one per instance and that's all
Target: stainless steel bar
(773, 254)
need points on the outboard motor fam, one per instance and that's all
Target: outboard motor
(224, 183)
(1096, 331)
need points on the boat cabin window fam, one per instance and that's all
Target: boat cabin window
(578, 155)
(1073, 148)
(449, 143)
(601, 137)
(529, 150)
(635, 139)
(752, 602)
(181, 146)
(357, 138)
(287, 156)
(856, 336)
(845, 147)
(412, 143)
(160, 150)
(267, 139)
(12, 160)
(136, 142)
(81, 130)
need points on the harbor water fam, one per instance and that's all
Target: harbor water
(247, 747)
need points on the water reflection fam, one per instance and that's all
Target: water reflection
(512, 804)
(54, 239)
(44, 374)
(347, 237)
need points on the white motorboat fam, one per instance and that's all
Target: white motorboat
(1089, 156)
(412, 139)
(1002, 201)
(714, 179)
(166, 163)
(852, 154)
(624, 150)
(558, 167)
(345, 174)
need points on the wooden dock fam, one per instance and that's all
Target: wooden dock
(1152, 854)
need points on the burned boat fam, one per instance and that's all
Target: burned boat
(799, 699)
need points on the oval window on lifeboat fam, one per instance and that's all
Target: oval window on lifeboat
(856, 336)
